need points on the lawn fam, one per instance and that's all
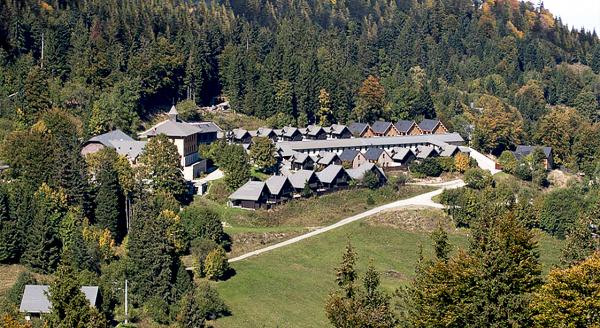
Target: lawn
(255, 229)
(288, 286)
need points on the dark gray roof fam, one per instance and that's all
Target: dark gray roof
(264, 132)
(112, 135)
(524, 150)
(240, 133)
(373, 154)
(289, 131)
(348, 155)
(35, 298)
(337, 128)
(251, 190)
(301, 157)
(395, 141)
(404, 125)
(330, 173)
(381, 127)
(358, 128)
(428, 125)
(313, 130)
(275, 183)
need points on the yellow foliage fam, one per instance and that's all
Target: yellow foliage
(59, 197)
(8, 321)
(102, 238)
(175, 233)
(39, 127)
(46, 6)
(514, 30)
(461, 162)
(570, 297)
(546, 19)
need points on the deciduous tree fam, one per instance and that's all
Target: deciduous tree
(160, 166)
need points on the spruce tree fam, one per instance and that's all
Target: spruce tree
(8, 228)
(190, 314)
(108, 200)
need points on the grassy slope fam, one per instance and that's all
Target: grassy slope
(288, 287)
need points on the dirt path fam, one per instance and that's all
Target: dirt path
(423, 200)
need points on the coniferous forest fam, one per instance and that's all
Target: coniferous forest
(499, 72)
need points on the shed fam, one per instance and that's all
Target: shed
(525, 150)
(426, 152)
(403, 155)
(35, 298)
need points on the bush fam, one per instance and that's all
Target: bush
(399, 181)
(210, 302)
(508, 161)
(477, 178)
(370, 180)
(157, 310)
(200, 249)
(559, 209)
(447, 164)
(523, 171)
(200, 222)
(428, 167)
(370, 200)
(216, 265)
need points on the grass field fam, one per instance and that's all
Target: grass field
(254, 229)
(288, 286)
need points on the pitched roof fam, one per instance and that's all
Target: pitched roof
(278, 132)
(428, 125)
(326, 157)
(381, 127)
(35, 298)
(359, 172)
(173, 111)
(289, 131)
(371, 142)
(404, 126)
(425, 151)
(358, 128)
(240, 133)
(275, 183)
(337, 128)
(112, 135)
(172, 129)
(207, 127)
(264, 132)
(400, 153)
(373, 154)
(449, 151)
(329, 173)
(313, 130)
(348, 155)
(251, 190)
(301, 157)
(524, 150)
(300, 177)
(130, 149)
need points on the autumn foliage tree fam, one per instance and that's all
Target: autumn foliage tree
(498, 126)
(370, 100)
(160, 166)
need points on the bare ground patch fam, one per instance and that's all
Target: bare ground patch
(249, 241)
(413, 219)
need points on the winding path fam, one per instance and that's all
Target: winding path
(423, 200)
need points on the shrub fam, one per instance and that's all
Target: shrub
(200, 249)
(157, 310)
(447, 164)
(461, 162)
(429, 167)
(508, 161)
(210, 302)
(400, 181)
(523, 171)
(200, 222)
(477, 178)
(559, 210)
(370, 180)
(370, 200)
(215, 265)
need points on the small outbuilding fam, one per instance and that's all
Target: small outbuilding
(301, 178)
(408, 128)
(302, 161)
(384, 129)
(339, 131)
(359, 173)
(361, 130)
(378, 156)
(280, 188)
(524, 151)
(35, 298)
(403, 156)
(432, 126)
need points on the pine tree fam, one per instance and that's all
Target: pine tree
(8, 228)
(440, 243)
(108, 200)
(70, 308)
(36, 94)
(190, 314)
(43, 248)
(262, 153)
